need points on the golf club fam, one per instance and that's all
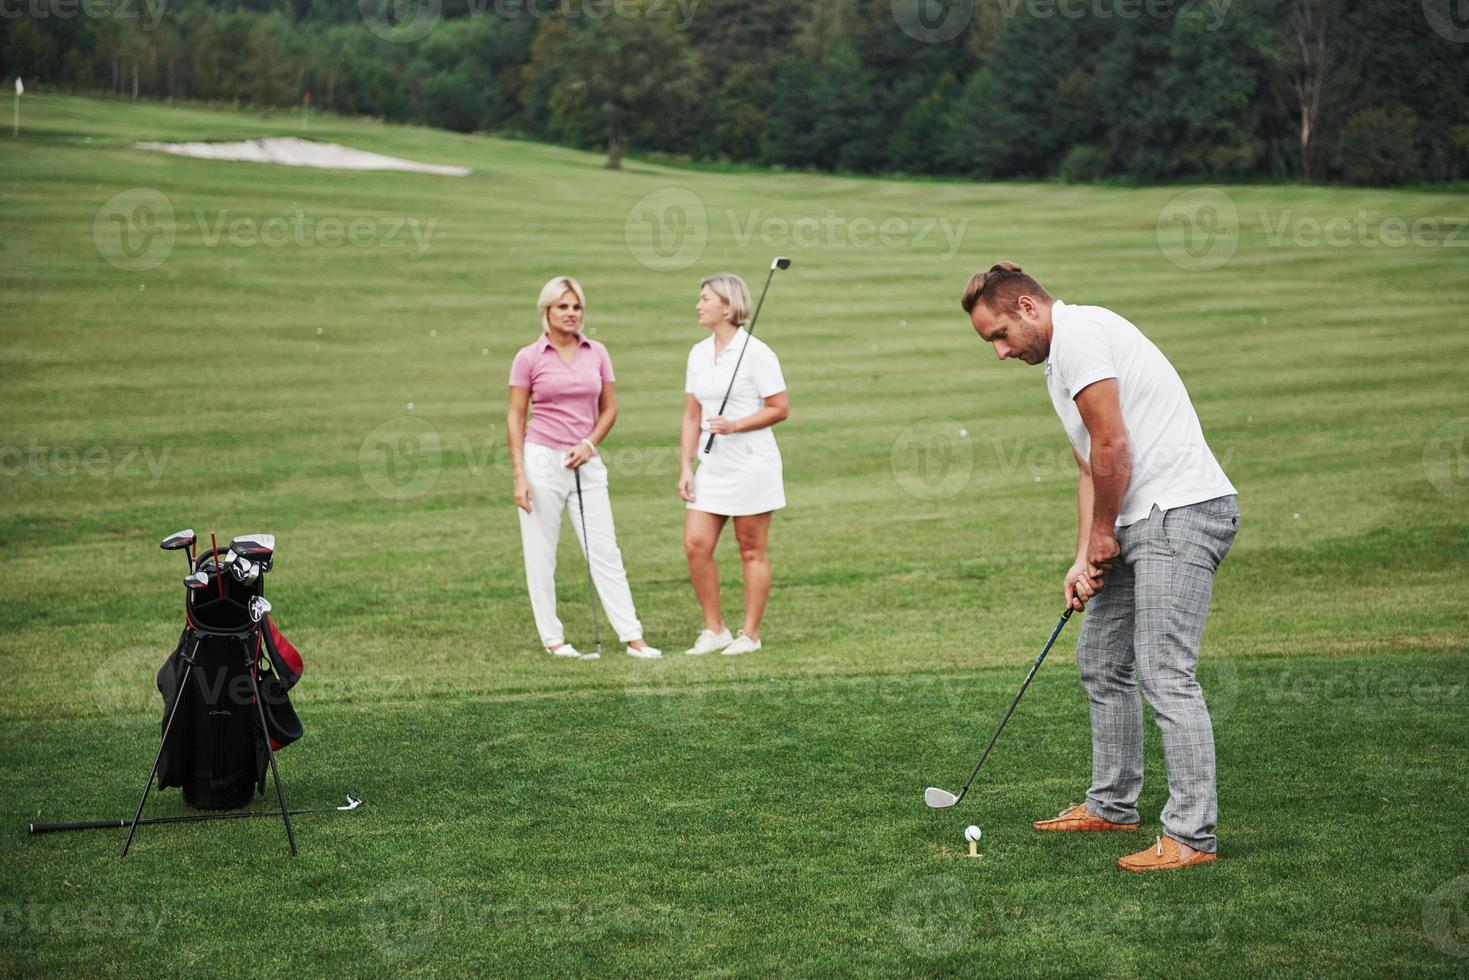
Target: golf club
(941, 798)
(49, 828)
(218, 572)
(781, 262)
(259, 608)
(181, 540)
(259, 547)
(244, 570)
(587, 547)
(197, 580)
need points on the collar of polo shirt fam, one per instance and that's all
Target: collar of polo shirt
(1058, 309)
(735, 343)
(545, 341)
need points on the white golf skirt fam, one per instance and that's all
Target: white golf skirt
(737, 481)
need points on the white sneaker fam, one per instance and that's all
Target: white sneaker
(742, 644)
(647, 653)
(565, 650)
(709, 641)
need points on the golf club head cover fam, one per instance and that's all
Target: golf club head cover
(280, 668)
(285, 660)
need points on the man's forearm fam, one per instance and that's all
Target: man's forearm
(1111, 468)
(1083, 514)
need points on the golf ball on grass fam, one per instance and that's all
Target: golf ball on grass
(973, 834)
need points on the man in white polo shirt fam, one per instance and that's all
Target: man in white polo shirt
(1156, 517)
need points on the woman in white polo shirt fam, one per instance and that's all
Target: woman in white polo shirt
(740, 476)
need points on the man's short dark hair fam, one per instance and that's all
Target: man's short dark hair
(1000, 289)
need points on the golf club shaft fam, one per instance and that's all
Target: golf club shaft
(709, 446)
(587, 547)
(50, 828)
(1018, 695)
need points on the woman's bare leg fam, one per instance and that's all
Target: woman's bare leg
(700, 535)
(752, 533)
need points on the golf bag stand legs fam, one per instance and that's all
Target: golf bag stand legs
(280, 793)
(137, 814)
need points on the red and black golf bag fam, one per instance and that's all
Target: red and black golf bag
(226, 706)
(214, 751)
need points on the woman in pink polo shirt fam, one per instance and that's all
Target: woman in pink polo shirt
(566, 382)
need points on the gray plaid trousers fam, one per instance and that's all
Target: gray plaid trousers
(1146, 626)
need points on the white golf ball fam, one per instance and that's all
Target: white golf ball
(973, 833)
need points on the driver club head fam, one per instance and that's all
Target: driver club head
(939, 799)
(178, 539)
(255, 546)
(781, 262)
(352, 803)
(196, 580)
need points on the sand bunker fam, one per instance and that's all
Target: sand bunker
(293, 152)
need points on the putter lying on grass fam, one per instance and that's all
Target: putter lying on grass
(941, 798)
(49, 828)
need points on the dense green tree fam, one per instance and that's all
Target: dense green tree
(615, 81)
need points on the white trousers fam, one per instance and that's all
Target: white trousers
(552, 491)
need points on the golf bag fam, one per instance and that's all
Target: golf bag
(215, 749)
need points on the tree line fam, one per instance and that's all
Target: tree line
(1357, 91)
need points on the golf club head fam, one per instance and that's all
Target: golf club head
(259, 608)
(352, 803)
(255, 546)
(196, 580)
(244, 571)
(178, 539)
(781, 262)
(939, 799)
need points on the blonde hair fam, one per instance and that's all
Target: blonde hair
(732, 290)
(554, 290)
(1000, 289)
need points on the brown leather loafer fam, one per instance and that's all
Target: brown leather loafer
(1164, 856)
(1078, 817)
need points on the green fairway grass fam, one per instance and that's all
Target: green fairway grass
(759, 815)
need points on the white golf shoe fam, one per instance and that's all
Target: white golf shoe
(565, 650)
(742, 644)
(646, 653)
(709, 641)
